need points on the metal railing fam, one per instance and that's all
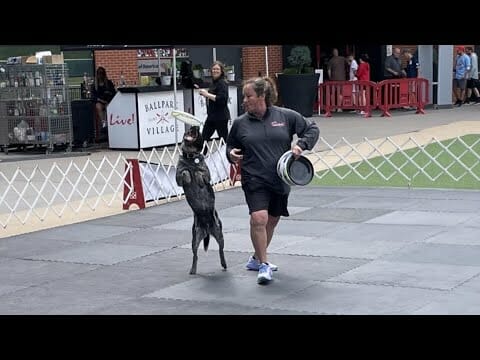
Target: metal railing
(75, 92)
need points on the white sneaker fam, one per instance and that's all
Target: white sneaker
(254, 264)
(264, 274)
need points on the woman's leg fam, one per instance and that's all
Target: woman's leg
(222, 130)
(259, 235)
(207, 132)
(101, 112)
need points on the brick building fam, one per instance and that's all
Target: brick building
(253, 62)
(253, 59)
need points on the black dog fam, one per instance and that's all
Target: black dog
(193, 175)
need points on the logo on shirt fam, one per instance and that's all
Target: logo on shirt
(276, 123)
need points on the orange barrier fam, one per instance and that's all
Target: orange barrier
(365, 96)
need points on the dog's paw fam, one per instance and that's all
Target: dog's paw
(186, 178)
(199, 178)
(202, 178)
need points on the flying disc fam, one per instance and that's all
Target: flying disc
(187, 118)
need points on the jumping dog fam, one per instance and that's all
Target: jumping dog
(193, 175)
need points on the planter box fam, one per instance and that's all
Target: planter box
(298, 92)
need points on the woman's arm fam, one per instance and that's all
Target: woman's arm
(307, 132)
(222, 93)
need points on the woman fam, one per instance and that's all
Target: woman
(217, 104)
(102, 92)
(259, 138)
(363, 74)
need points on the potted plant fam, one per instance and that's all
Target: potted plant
(298, 83)
(166, 78)
(230, 73)
(197, 71)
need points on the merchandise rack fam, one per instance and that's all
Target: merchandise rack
(35, 106)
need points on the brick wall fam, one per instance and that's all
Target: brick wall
(116, 61)
(253, 61)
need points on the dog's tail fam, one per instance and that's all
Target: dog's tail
(206, 241)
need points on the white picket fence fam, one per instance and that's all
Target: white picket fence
(86, 188)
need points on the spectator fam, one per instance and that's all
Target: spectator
(393, 66)
(102, 93)
(393, 70)
(363, 74)
(352, 76)
(411, 70)
(337, 66)
(472, 81)
(337, 71)
(462, 67)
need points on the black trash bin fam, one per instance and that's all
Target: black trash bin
(83, 122)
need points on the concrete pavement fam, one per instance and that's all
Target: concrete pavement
(342, 251)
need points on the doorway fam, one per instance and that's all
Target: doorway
(323, 52)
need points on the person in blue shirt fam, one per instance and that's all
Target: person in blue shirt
(412, 64)
(462, 68)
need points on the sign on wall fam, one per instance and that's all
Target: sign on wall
(122, 122)
(147, 67)
(157, 126)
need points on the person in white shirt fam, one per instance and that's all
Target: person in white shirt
(353, 66)
(472, 77)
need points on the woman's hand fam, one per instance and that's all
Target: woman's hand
(203, 92)
(297, 151)
(236, 155)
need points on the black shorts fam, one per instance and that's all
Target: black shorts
(262, 198)
(472, 83)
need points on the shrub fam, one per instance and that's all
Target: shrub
(300, 61)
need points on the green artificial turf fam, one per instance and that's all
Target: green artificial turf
(429, 158)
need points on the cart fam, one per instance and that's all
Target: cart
(35, 107)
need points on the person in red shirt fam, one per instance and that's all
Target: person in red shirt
(363, 74)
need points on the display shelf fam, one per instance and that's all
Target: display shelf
(35, 106)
